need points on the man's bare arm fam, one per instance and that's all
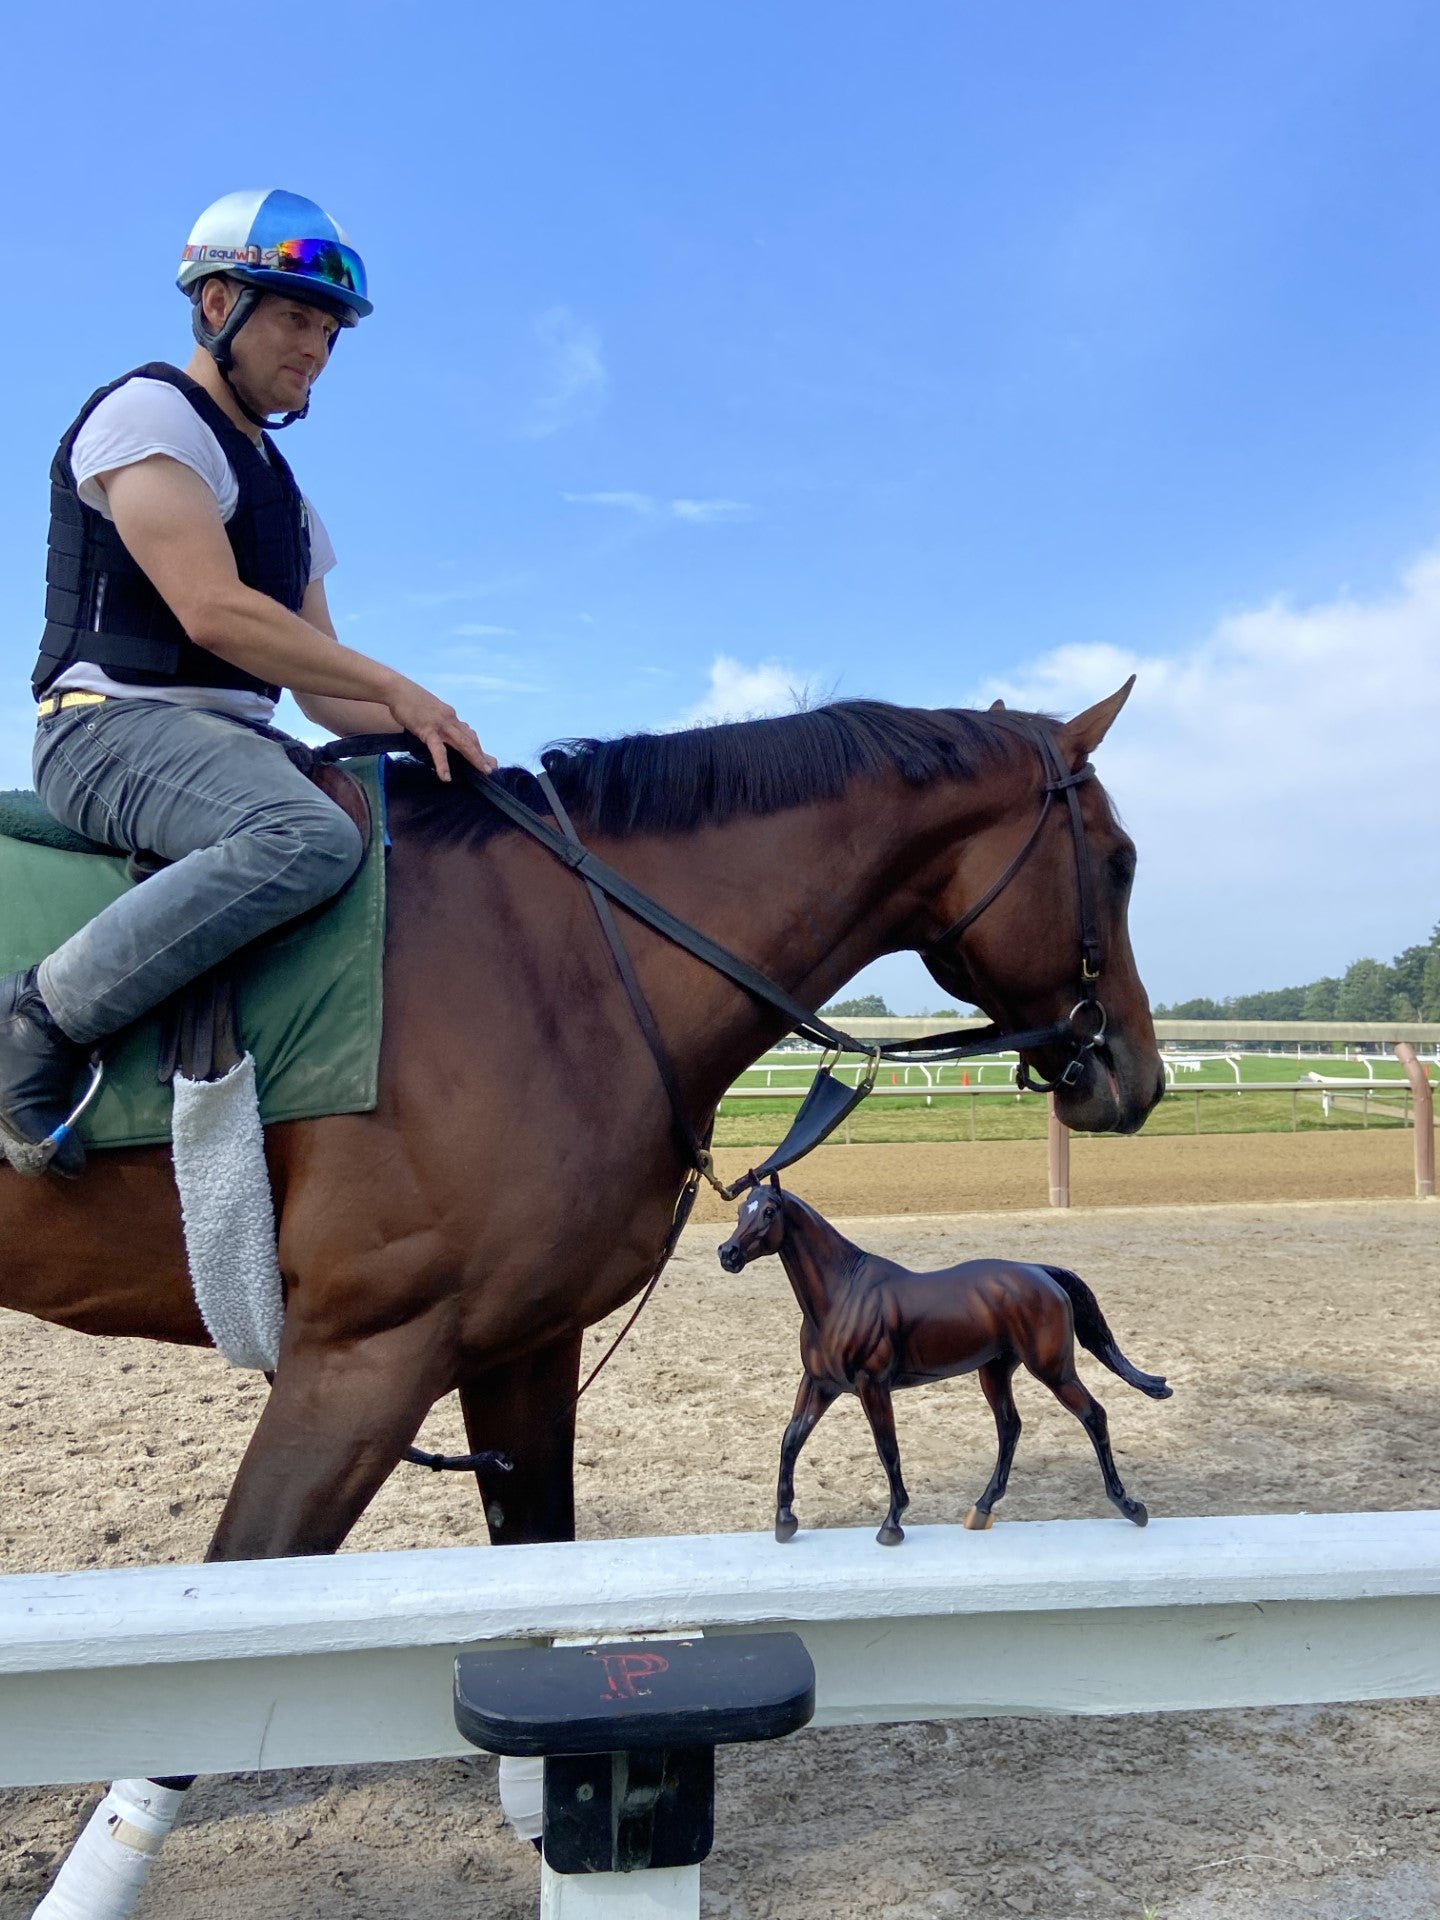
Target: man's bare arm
(329, 709)
(168, 519)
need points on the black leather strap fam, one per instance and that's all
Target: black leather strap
(960, 1043)
(695, 1154)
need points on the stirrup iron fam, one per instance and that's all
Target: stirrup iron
(31, 1158)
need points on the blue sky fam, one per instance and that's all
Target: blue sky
(917, 352)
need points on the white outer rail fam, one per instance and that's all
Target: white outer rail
(284, 1663)
(1312, 1083)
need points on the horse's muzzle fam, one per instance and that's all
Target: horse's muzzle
(731, 1258)
(1115, 1094)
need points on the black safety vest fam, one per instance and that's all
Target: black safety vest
(100, 605)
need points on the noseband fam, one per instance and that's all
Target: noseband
(1083, 1028)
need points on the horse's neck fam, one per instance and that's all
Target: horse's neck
(810, 895)
(819, 1262)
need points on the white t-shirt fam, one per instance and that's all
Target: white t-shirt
(141, 418)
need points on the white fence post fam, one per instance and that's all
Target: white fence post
(1424, 1120)
(1059, 1155)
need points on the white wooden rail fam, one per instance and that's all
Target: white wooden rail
(1312, 1083)
(314, 1662)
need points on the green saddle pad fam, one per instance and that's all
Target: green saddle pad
(309, 995)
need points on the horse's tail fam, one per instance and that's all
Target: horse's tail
(1093, 1333)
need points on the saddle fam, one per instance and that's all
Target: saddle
(200, 1027)
(305, 1000)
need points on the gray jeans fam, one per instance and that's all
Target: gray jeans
(254, 844)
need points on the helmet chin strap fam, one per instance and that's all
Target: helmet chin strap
(263, 420)
(219, 345)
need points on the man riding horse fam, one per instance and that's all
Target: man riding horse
(186, 588)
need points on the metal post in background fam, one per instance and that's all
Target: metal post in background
(1424, 1120)
(1059, 1154)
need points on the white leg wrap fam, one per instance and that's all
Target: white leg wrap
(522, 1794)
(111, 1861)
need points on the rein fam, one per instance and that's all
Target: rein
(821, 1111)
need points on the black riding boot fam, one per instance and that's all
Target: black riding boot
(39, 1070)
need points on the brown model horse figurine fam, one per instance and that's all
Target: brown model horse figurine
(516, 1180)
(871, 1326)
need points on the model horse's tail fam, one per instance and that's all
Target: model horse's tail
(1093, 1333)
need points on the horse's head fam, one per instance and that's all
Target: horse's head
(1051, 943)
(759, 1230)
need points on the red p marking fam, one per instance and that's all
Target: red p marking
(624, 1670)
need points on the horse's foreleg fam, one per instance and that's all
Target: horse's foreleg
(337, 1420)
(1072, 1392)
(334, 1426)
(814, 1397)
(880, 1412)
(995, 1378)
(526, 1410)
(106, 1869)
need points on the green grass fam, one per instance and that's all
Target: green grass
(754, 1123)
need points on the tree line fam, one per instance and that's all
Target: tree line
(1407, 988)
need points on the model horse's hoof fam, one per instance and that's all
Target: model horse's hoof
(889, 1536)
(978, 1522)
(1137, 1511)
(786, 1528)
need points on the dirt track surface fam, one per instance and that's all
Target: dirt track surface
(1146, 1171)
(1302, 1343)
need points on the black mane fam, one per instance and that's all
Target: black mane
(677, 782)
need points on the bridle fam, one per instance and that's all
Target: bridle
(1085, 1037)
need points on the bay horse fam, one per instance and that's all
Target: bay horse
(516, 1180)
(870, 1327)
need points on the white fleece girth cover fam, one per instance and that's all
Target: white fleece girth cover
(229, 1214)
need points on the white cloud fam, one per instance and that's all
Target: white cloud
(485, 683)
(738, 692)
(703, 511)
(648, 506)
(1279, 778)
(634, 502)
(576, 376)
(477, 630)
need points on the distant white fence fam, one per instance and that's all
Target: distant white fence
(317, 1662)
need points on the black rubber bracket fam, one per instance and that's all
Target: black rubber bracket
(628, 1730)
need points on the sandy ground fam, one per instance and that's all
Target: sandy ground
(1301, 1342)
(1178, 1169)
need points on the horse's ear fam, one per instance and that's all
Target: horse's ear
(997, 706)
(1079, 738)
(775, 1181)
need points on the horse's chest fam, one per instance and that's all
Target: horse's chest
(852, 1339)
